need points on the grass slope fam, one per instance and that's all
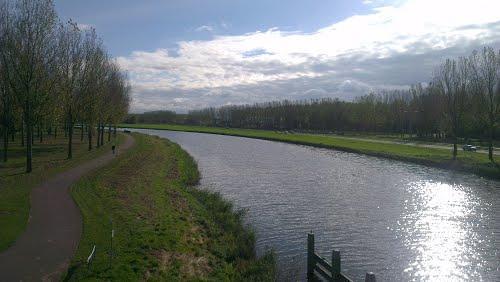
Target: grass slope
(165, 229)
(396, 137)
(467, 161)
(49, 158)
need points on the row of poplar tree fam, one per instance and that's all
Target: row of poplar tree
(462, 100)
(55, 74)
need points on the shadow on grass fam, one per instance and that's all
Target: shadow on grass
(14, 174)
(12, 165)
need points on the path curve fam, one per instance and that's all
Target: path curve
(43, 252)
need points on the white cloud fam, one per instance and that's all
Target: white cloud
(206, 28)
(391, 47)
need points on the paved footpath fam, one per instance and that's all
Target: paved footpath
(43, 252)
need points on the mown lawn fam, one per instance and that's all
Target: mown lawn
(467, 161)
(49, 158)
(164, 229)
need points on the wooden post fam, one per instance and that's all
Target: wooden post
(336, 264)
(310, 256)
(111, 244)
(370, 277)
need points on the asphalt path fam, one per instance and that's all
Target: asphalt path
(43, 252)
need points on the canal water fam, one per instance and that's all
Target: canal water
(404, 222)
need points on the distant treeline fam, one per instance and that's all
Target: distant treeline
(53, 75)
(156, 117)
(462, 100)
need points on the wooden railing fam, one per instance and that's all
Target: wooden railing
(320, 268)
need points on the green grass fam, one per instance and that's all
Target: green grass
(49, 158)
(406, 138)
(165, 229)
(467, 161)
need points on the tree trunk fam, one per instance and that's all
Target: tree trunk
(455, 151)
(109, 132)
(5, 125)
(22, 133)
(40, 134)
(114, 131)
(490, 151)
(29, 148)
(32, 136)
(490, 147)
(455, 127)
(102, 134)
(89, 135)
(70, 135)
(98, 139)
(81, 133)
(5, 143)
(55, 132)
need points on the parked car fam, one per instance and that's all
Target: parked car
(470, 148)
(126, 131)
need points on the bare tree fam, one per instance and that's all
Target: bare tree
(450, 80)
(118, 97)
(51, 72)
(5, 97)
(70, 67)
(28, 55)
(92, 81)
(5, 110)
(485, 70)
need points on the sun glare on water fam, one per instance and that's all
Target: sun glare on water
(439, 229)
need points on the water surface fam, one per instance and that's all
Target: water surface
(402, 221)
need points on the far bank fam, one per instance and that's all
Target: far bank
(441, 158)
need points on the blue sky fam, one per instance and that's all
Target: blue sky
(189, 54)
(128, 25)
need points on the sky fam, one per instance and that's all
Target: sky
(189, 54)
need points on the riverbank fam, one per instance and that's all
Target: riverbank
(466, 161)
(164, 228)
(49, 159)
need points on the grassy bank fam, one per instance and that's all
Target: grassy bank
(467, 161)
(407, 138)
(165, 229)
(49, 158)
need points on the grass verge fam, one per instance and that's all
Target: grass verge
(477, 163)
(49, 158)
(165, 229)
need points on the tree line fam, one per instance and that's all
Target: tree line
(462, 100)
(154, 117)
(53, 75)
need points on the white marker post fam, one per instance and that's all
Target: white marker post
(91, 257)
(111, 248)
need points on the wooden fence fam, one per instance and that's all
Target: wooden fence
(320, 268)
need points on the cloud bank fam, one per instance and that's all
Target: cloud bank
(392, 47)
